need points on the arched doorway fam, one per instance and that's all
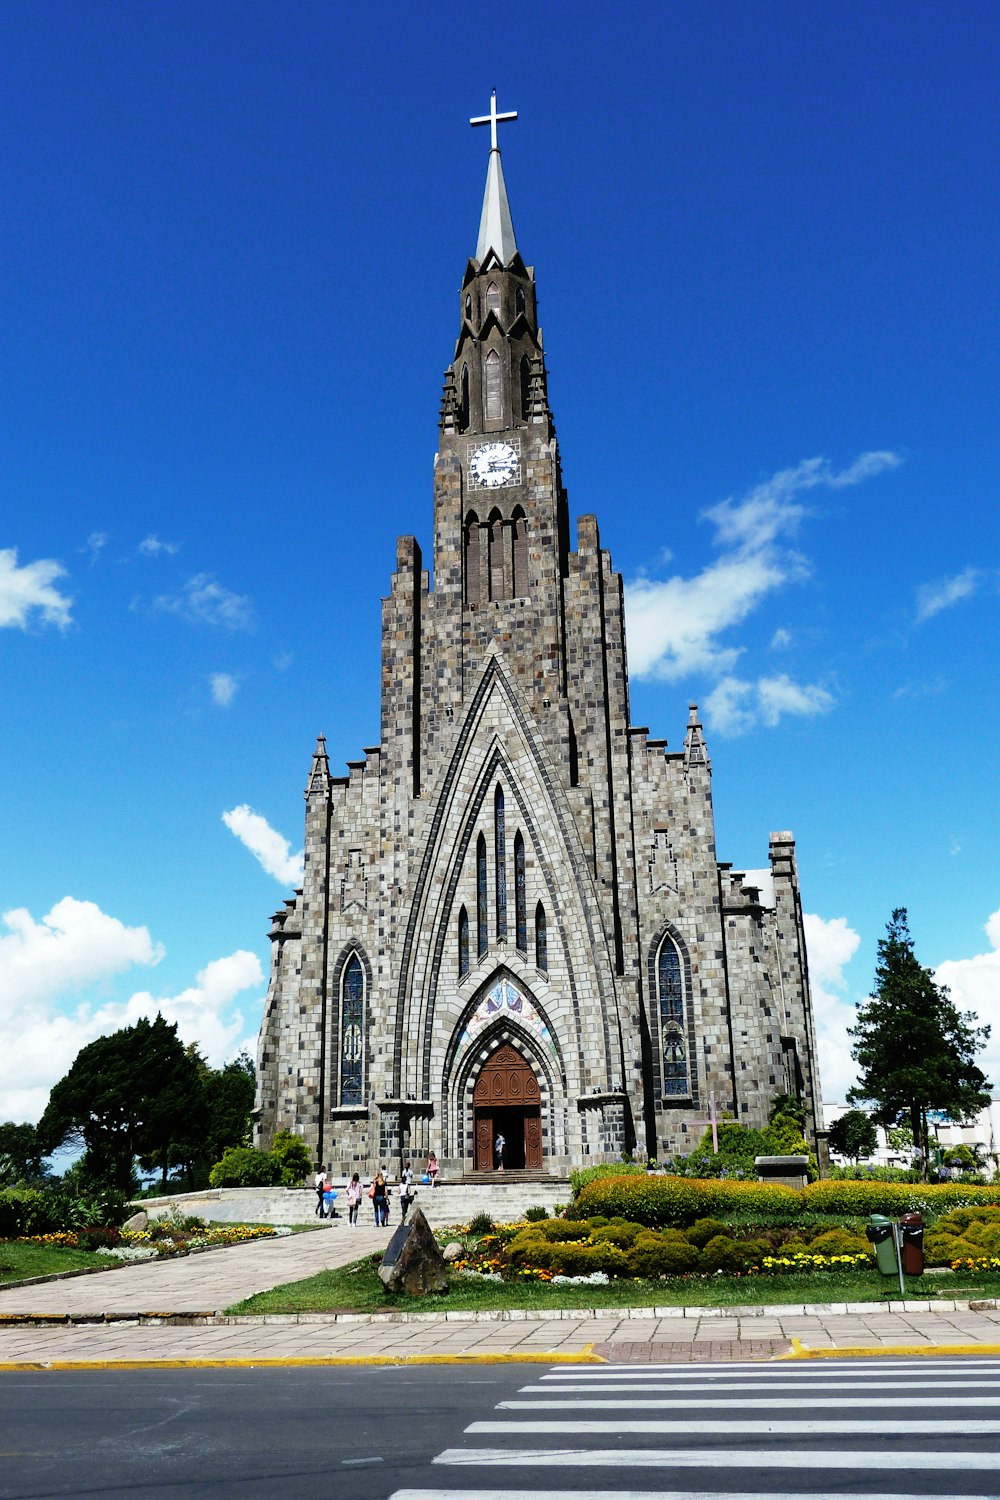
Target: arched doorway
(507, 1101)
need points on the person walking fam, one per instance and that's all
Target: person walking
(406, 1196)
(320, 1185)
(353, 1200)
(498, 1146)
(432, 1170)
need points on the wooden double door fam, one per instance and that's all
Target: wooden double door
(507, 1101)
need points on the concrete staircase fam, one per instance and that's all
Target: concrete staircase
(504, 1196)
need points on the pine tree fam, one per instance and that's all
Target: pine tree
(914, 1050)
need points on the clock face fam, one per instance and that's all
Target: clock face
(494, 464)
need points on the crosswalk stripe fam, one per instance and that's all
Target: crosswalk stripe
(857, 1427)
(962, 1460)
(787, 1383)
(742, 1403)
(957, 1364)
(604, 1494)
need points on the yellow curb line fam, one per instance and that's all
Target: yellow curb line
(875, 1351)
(585, 1356)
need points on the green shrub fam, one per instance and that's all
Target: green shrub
(581, 1260)
(97, 1237)
(561, 1230)
(481, 1224)
(535, 1213)
(703, 1230)
(665, 1254)
(895, 1198)
(25, 1210)
(293, 1157)
(582, 1175)
(669, 1201)
(618, 1233)
(245, 1166)
(723, 1253)
(942, 1249)
(839, 1242)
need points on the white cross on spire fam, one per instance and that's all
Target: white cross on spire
(493, 119)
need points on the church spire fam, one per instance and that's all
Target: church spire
(496, 230)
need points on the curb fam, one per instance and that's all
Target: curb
(585, 1356)
(885, 1351)
(179, 1316)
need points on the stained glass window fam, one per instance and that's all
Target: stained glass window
(500, 836)
(670, 984)
(493, 297)
(493, 394)
(463, 942)
(482, 930)
(352, 1031)
(520, 908)
(541, 939)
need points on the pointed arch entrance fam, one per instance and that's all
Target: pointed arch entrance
(507, 1101)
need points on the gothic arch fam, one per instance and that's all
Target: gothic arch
(667, 932)
(432, 898)
(466, 1060)
(336, 977)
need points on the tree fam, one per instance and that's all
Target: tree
(126, 1095)
(914, 1050)
(853, 1135)
(21, 1158)
(220, 1119)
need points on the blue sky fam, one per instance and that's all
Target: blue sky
(765, 241)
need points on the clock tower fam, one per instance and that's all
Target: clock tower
(513, 920)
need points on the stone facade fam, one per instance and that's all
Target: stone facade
(515, 865)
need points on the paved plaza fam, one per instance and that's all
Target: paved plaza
(174, 1310)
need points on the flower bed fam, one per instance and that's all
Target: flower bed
(163, 1238)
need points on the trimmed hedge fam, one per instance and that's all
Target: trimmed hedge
(679, 1201)
(660, 1202)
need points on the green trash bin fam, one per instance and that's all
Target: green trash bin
(879, 1232)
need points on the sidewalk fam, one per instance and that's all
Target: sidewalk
(171, 1311)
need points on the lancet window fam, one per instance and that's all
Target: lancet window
(500, 863)
(519, 526)
(493, 297)
(463, 943)
(524, 375)
(352, 1031)
(673, 1045)
(520, 907)
(541, 940)
(482, 900)
(473, 540)
(494, 402)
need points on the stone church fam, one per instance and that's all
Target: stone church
(513, 919)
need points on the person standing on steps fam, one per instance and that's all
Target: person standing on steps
(353, 1200)
(320, 1185)
(498, 1146)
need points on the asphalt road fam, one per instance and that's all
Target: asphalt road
(873, 1428)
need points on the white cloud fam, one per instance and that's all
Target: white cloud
(830, 946)
(781, 639)
(95, 545)
(736, 706)
(202, 601)
(932, 598)
(44, 965)
(269, 848)
(152, 546)
(31, 588)
(675, 624)
(223, 688)
(975, 986)
(74, 946)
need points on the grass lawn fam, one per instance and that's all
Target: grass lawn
(17, 1262)
(357, 1288)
